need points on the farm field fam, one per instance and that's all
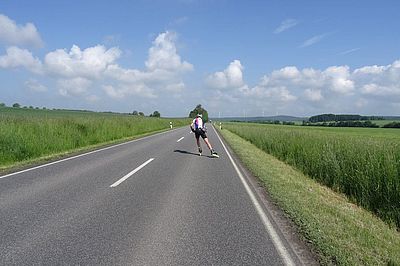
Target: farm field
(27, 134)
(362, 163)
(376, 133)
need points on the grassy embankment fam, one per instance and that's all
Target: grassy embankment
(27, 135)
(364, 163)
(341, 232)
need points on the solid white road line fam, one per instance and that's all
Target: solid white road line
(131, 173)
(264, 218)
(84, 154)
(180, 139)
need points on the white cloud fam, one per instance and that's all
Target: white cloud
(285, 25)
(74, 87)
(77, 69)
(89, 63)
(35, 85)
(349, 51)
(231, 77)
(16, 57)
(276, 94)
(163, 55)
(313, 95)
(313, 40)
(124, 90)
(339, 79)
(309, 90)
(13, 34)
(383, 81)
(175, 87)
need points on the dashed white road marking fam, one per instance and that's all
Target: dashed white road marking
(180, 139)
(131, 173)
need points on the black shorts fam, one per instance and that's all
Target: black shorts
(199, 132)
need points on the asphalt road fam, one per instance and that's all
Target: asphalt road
(175, 209)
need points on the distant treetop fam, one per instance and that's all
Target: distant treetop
(199, 110)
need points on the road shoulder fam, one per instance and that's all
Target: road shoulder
(300, 250)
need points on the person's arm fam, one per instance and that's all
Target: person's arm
(204, 127)
(191, 127)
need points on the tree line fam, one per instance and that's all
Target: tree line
(17, 105)
(336, 118)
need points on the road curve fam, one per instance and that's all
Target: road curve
(152, 201)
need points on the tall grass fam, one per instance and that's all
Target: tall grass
(29, 134)
(365, 168)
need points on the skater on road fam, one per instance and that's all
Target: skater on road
(199, 129)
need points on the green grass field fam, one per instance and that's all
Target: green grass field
(363, 163)
(27, 134)
(340, 232)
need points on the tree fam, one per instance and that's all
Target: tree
(2, 105)
(199, 110)
(155, 114)
(135, 112)
(141, 113)
(16, 105)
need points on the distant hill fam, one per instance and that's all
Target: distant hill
(285, 118)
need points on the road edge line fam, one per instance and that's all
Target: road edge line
(84, 154)
(280, 247)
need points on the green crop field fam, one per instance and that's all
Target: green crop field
(27, 134)
(363, 163)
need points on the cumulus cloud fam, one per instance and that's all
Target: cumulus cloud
(175, 87)
(313, 95)
(338, 78)
(383, 81)
(163, 55)
(124, 90)
(285, 25)
(231, 77)
(16, 57)
(76, 70)
(74, 87)
(334, 89)
(89, 63)
(276, 94)
(164, 70)
(35, 86)
(13, 34)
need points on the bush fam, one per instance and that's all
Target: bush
(392, 125)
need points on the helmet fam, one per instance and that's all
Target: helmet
(199, 115)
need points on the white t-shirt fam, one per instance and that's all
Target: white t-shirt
(198, 123)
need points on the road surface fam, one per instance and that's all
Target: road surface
(151, 201)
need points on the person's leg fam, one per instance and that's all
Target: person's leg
(208, 144)
(198, 142)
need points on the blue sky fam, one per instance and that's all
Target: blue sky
(234, 57)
